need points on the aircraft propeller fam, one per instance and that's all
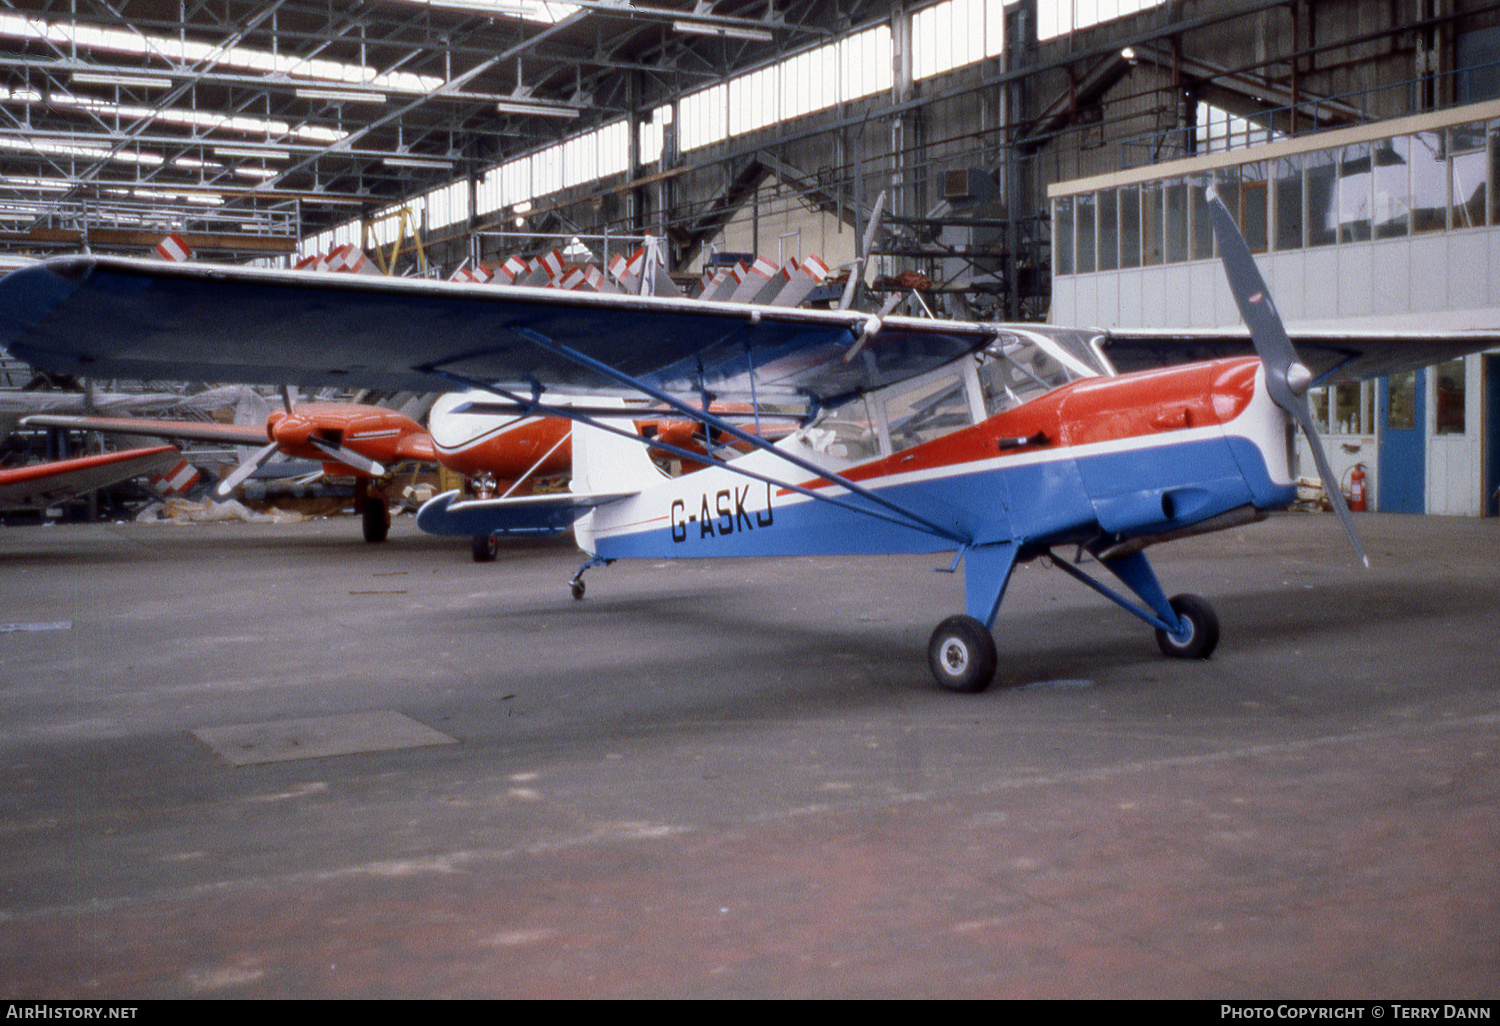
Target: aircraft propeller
(258, 459)
(234, 479)
(857, 270)
(1287, 377)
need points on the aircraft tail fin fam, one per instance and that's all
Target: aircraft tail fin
(604, 462)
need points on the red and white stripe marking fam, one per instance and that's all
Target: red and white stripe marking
(173, 249)
(181, 479)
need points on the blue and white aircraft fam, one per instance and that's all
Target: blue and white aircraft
(1000, 443)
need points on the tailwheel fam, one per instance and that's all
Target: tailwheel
(962, 654)
(1200, 629)
(377, 519)
(577, 587)
(486, 547)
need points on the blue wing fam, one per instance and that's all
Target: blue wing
(133, 318)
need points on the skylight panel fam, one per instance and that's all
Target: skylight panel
(526, 10)
(185, 54)
(1059, 17)
(238, 123)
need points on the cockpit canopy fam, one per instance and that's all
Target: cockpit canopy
(1023, 363)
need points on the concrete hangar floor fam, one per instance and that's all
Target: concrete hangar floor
(736, 779)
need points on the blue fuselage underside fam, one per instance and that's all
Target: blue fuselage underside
(1116, 494)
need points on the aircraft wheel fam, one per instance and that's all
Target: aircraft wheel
(377, 521)
(486, 548)
(962, 654)
(577, 588)
(1202, 630)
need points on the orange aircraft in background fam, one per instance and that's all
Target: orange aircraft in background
(45, 484)
(499, 454)
(349, 438)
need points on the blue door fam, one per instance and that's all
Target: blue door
(1491, 436)
(1403, 443)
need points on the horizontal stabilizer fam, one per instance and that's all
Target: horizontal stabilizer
(447, 515)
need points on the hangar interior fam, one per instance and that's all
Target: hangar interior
(1006, 137)
(243, 763)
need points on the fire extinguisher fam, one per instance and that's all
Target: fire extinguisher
(1357, 488)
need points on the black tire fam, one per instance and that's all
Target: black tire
(577, 588)
(486, 548)
(1203, 630)
(377, 520)
(962, 655)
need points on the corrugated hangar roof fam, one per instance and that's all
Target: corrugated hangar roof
(121, 113)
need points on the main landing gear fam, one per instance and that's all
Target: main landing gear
(962, 653)
(486, 547)
(374, 512)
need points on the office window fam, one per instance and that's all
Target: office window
(1402, 397)
(1062, 235)
(1449, 409)
(1130, 226)
(1317, 402)
(1286, 175)
(1429, 182)
(1391, 171)
(1177, 222)
(1353, 410)
(1109, 230)
(1254, 206)
(1152, 212)
(1494, 181)
(1083, 233)
(1203, 225)
(1321, 192)
(1355, 189)
(1467, 146)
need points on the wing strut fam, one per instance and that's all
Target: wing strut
(719, 424)
(535, 407)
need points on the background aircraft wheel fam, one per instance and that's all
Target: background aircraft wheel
(1202, 625)
(486, 548)
(377, 522)
(962, 654)
(577, 587)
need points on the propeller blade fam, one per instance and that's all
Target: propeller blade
(857, 270)
(1287, 377)
(244, 470)
(286, 398)
(874, 226)
(348, 457)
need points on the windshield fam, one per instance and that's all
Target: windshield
(1024, 363)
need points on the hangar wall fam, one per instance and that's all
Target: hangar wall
(1180, 80)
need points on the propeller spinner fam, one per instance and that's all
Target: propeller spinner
(1287, 377)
